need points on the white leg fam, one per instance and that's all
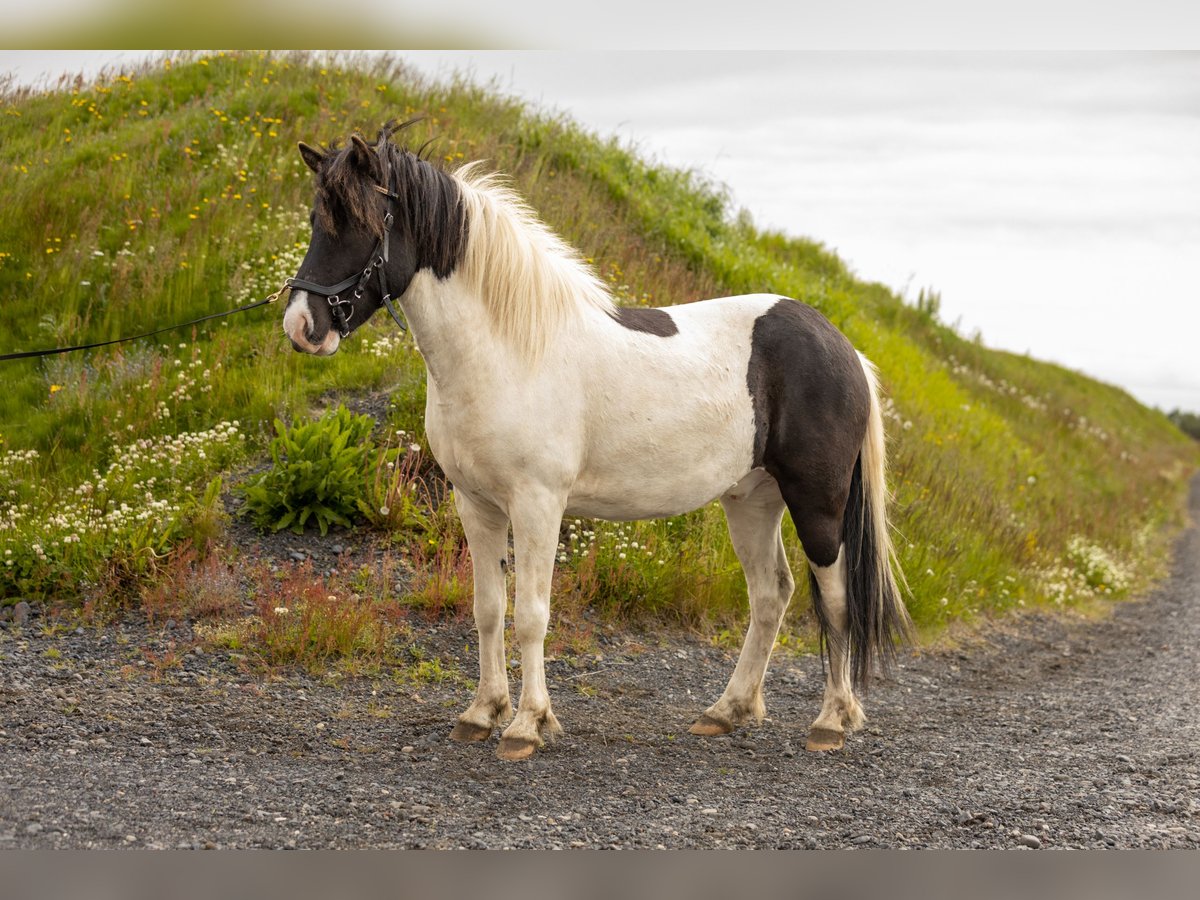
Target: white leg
(536, 519)
(486, 529)
(754, 509)
(840, 711)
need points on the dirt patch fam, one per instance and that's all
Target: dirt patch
(1056, 733)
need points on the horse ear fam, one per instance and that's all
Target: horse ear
(364, 156)
(311, 156)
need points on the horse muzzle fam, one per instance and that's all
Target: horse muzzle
(301, 328)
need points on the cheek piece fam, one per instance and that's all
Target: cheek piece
(342, 310)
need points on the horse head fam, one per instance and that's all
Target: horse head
(380, 214)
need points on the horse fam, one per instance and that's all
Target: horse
(546, 399)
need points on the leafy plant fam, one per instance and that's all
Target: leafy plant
(317, 473)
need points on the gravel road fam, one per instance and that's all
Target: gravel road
(1048, 733)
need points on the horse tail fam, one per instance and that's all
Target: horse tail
(876, 617)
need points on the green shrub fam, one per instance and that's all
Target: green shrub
(318, 473)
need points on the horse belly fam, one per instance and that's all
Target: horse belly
(648, 466)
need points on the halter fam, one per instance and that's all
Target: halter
(379, 257)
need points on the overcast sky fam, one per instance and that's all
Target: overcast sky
(1053, 199)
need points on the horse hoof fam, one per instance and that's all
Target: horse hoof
(707, 726)
(825, 739)
(515, 748)
(468, 732)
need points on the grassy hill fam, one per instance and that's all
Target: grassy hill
(174, 191)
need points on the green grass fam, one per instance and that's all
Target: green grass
(176, 190)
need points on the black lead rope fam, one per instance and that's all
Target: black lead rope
(29, 354)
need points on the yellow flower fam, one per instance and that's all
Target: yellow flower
(55, 388)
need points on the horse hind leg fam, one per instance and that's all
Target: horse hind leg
(840, 710)
(754, 510)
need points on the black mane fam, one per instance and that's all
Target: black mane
(429, 212)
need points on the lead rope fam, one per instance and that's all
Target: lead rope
(30, 354)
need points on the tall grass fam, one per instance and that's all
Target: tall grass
(174, 190)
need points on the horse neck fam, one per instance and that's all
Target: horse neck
(532, 284)
(451, 326)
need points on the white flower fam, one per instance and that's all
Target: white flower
(384, 510)
(281, 610)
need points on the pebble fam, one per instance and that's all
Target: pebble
(20, 613)
(1030, 841)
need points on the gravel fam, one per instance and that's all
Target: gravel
(1046, 732)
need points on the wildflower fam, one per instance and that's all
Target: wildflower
(55, 388)
(281, 610)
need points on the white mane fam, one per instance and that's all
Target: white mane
(531, 281)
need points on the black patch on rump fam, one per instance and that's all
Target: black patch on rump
(811, 404)
(650, 321)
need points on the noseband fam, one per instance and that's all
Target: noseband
(343, 310)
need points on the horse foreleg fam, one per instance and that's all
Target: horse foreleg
(536, 520)
(754, 512)
(486, 529)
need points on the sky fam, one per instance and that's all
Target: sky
(1052, 198)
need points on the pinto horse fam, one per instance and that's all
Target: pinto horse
(547, 399)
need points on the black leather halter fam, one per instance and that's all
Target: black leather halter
(343, 310)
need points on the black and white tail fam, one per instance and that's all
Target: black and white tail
(876, 617)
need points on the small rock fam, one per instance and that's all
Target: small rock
(1030, 841)
(33, 828)
(862, 839)
(297, 556)
(337, 549)
(20, 613)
